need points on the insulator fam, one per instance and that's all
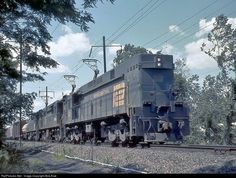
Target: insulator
(122, 121)
(103, 123)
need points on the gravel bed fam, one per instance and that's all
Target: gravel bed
(151, 160)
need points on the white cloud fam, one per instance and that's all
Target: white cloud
(112, 50)
(167, 48)
(170, 50)
(153, 50)
(38, 104)
(196, 59)
(70, 43)
(233, 22)
(175, 29)
(206, 26)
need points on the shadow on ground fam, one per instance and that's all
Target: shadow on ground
(41, 162)
(229, 167)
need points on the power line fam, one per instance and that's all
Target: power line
(126, 22)
(182, 22)
(77, 67)
(137, 20)
(55, 83)
(191, 26)
(197, 31)
(190, 35)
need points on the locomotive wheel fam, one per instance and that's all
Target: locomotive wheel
(125, 143)
(132, 144)
(114, 144)
(103, 139)
(161, 143)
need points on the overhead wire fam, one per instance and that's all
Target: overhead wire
(55, 83)
(190, 35)
(138, 19)
(190, 26)
(181, 23)
(126, 22)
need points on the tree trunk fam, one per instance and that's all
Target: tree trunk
(228, 140)
(207, 131)
(230, 117)
(1, 132)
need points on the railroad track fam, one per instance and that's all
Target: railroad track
(215, 148)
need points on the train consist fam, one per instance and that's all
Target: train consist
(132, 103)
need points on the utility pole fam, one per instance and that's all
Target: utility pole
(104, 54)
(104, 51)
(45, 95)
(21, 56)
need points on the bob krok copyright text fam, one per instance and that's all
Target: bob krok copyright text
(28, 175)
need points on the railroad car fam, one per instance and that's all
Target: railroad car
(13, 131)
(134, 102)
(8, 132)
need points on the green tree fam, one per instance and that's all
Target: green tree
(223, 40)
(209, 103)
(24, 24)
(186, 84)
(128, 52)
(213, 107)
(188, 90)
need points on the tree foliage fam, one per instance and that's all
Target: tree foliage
(59, 10)
(24, 35)
(188, 90)
(209, 103)
(213, 108)
(186, 84)
(223, 40)
(128, 52)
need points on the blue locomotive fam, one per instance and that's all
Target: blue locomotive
(134, 102)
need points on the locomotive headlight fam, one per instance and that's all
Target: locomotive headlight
(159, 59)
(159, 64)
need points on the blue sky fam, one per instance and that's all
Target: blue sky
(177, 27)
